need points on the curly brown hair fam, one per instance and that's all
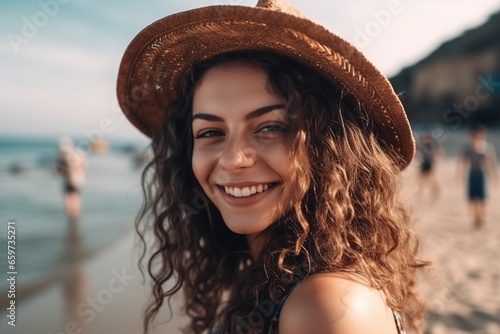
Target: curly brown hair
(346, 211)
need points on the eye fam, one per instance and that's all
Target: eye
(272, 128)
(209, 133)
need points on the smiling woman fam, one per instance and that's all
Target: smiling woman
(296, 152)
(239, 155)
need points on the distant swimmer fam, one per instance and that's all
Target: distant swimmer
(16, 168)
(478, 161)
(72, 166)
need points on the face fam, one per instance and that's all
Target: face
(479, 135)
(239, 153)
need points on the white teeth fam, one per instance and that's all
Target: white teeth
(246, 191)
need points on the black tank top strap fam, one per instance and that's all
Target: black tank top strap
(279, 305)
(273, 328)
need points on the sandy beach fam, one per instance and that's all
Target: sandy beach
(461, 289)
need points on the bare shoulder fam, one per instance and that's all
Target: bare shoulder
(336, 303)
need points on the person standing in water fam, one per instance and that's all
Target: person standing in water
(478, 161)
(72, 166)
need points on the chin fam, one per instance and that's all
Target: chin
(246, 225)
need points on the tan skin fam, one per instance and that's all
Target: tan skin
(239, 127)
(336, 303)
(73, 205)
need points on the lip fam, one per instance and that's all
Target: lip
(244, 184)
(244, 201)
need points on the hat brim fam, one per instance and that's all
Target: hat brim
(158, 59)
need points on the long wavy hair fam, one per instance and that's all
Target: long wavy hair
(346, 211)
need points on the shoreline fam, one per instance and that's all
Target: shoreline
(106, 291)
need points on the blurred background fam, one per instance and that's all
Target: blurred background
(76, 258)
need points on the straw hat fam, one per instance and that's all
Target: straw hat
(158, 59)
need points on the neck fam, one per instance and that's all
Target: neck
(256, 244)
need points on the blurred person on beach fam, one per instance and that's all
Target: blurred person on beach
(272, 195)
(476, 163)
(72, 167)
(428, 152)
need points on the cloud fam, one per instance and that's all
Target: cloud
(416, 30)
(58, 85)
(58, 56)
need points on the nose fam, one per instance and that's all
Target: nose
(237, 154)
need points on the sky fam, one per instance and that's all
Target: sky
(59, 58)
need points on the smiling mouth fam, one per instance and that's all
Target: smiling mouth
(248, 191)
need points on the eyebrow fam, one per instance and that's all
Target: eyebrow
(252, 114)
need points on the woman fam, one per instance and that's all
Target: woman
(272, 194)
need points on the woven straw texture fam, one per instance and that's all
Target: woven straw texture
(157, 61)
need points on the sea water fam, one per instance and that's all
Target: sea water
(31, 194)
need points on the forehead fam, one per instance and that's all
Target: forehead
(236, 85)
(229, 76)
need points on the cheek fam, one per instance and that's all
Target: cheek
(279, 160)
(198, 167)
(203, 162)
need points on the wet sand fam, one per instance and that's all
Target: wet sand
(103, 295)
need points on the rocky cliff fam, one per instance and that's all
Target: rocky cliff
(457, 84)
